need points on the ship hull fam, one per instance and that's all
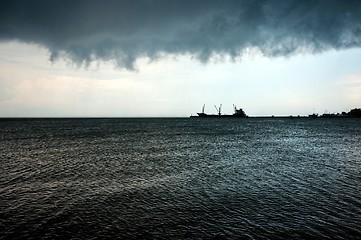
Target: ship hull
(204, 115)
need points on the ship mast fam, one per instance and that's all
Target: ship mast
(218, 109)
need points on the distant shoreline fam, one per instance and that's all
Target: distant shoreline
(5, 119)
(354, 113)
(277, 117)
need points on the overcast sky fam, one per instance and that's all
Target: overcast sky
(159, 58)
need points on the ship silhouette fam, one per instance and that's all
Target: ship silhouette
(238, 113)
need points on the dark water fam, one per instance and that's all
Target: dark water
(180, 179)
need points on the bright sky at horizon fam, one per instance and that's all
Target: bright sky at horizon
(167, 59)
(32, 86)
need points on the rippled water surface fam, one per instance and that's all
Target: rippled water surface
(180, 178)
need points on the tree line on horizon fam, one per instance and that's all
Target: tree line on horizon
(354, 113)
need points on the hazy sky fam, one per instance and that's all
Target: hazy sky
(152, 58)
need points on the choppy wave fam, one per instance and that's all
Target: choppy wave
(180, 179)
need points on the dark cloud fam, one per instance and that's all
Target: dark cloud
(124, 30)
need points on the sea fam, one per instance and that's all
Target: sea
(180, 178)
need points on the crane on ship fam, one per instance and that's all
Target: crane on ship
(218, 109)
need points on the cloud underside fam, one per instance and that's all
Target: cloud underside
(84, 31)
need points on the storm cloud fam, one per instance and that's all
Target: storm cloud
(124, 31)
